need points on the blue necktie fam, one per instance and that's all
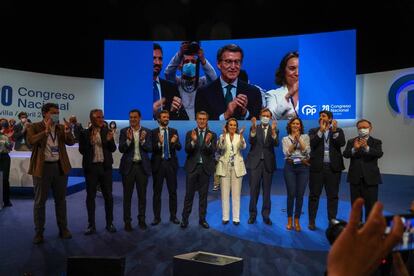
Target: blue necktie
(228, 97)
(155, 92)
(166, 145)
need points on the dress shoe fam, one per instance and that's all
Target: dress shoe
(155, 222)
(236, 222)
(267, 221)
(38, 238)
(289, 225)
(65, 234)
(128, 226)
(312, 225)
(110, 228)
(297, 225)
(184, 224)
(90, 230)
(225, 222)
(204, 224)
(251, 220)
(142, 225)
(175, 220)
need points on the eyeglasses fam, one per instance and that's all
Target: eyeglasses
(228, 62)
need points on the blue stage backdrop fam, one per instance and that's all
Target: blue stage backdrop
(327, 70)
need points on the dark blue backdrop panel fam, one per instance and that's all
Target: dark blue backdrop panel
(127, 78)
(327, 73)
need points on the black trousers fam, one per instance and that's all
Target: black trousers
(136, 177)
(330, 180)
(5, 168)
(368, 192)
(260, 177)
(169, 173)
(94, 176)
(197, 180)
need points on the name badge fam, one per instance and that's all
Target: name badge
(54, 150)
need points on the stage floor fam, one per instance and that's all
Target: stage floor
(267, 250)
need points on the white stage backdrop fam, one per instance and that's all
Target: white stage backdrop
(27, 91)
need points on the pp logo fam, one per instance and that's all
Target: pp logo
(309, 109)
(396, 88)
(6, 95)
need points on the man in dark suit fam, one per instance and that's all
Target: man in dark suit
(165, 94)
(200, 146)
(261, 162)
(75, 127)
(164, 163)
(326, 165)
(228, 96)
(135, 167)
(364, 174)
(19, 133)
(96, 144)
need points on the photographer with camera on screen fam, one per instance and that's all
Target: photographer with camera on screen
(188, 60)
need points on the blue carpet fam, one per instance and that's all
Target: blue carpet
(151, 252)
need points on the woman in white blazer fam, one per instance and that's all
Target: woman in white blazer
(231, 169)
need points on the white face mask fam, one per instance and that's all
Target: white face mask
(363, 132)
(264, 120)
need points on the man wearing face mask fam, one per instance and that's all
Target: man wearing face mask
(164, 163)
(165, 93)
(261, 162)
(19, 134)
(187, 59)
(75, 127)
(326, 165)
(49, 166)
(363, 174)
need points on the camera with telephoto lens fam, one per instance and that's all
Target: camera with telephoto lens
(193, 48)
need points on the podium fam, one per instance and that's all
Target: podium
(204, 263)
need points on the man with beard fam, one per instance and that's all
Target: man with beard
(165, 93)
(135, 167)
(164, 163)
(228, 96)
(186, 59)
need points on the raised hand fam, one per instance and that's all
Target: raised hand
(194, 136)
(208, 138)
(176, 104)
(254, 124)
(174, 139)
(66, 125)
(357, 144)
(110, 135)
(334, 125)
(130, 134)
(142, 136)
(160, 138)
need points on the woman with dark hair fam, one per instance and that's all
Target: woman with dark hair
(283, 102)
(231, 169)
(5, 147)
(296, 148)
(112, 127)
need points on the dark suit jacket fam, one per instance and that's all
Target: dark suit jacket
(207, 153)
(259, 144)
(318, 148)
(169, 91)
(18, 136)
(156, 157)
(128, 151)
(78, 128)
(87, 149)
(210, 98)
(364, 164)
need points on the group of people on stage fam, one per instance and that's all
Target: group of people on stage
(184, 92)
(314, 158)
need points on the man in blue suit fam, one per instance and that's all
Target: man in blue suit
(135, 167)
(228, 96)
